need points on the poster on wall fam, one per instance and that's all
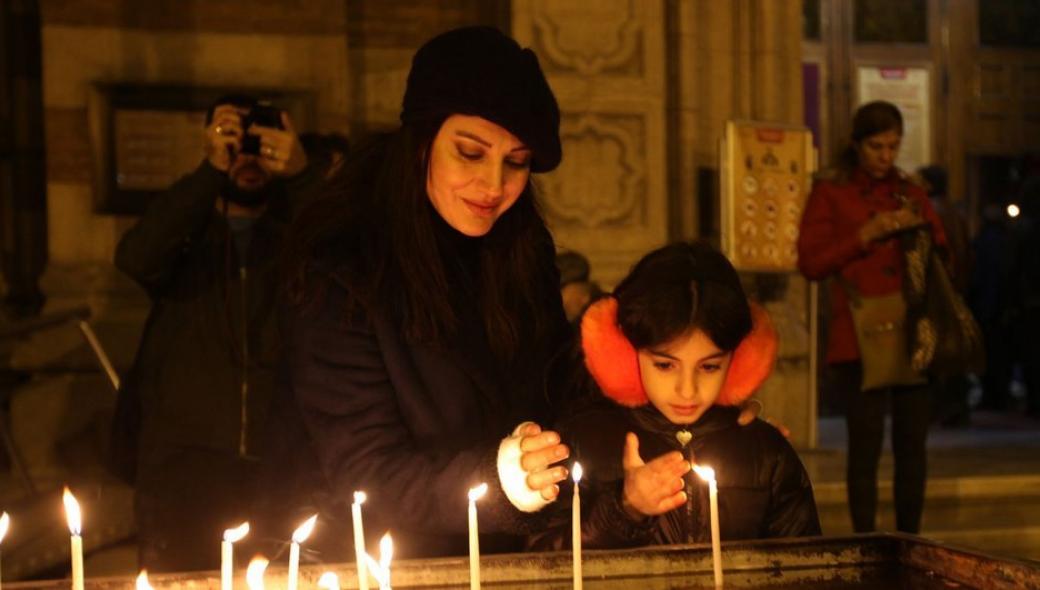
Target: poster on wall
(909, 89)
(766, 177)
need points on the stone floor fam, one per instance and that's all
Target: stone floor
(983, 484)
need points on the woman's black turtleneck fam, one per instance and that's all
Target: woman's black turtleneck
(461, 256)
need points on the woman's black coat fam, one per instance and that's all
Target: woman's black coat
(764, 490)
(412, 425)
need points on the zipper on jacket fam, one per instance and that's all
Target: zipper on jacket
(243, 442)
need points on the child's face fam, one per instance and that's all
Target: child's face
(683, 377)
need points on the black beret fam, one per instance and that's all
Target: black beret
(480, 71)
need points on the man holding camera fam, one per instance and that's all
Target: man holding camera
(199, 392)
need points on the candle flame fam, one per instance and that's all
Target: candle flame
(381, 570)
(386, 552)
(329, 581)
(577, 472)
(360, 497)
(300, 534)
(477, 492)
(706, 473)
(255, 573)
(235, 535)
(5, 523)
(72, 513)
(142, 581)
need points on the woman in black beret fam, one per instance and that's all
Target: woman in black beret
(421, 315)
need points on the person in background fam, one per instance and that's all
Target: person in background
(849, 230)
(325, 151)
(200, 388)
(1026, 287)
(576, 288)
(991, 297)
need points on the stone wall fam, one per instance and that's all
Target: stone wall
(645, 89)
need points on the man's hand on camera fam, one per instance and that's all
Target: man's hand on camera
(224, 136)
(280, 149)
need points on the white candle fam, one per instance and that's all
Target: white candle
(576, 473)
(474, 540)
(142, 581)
(329, 581)
(359, 540)
(227, 554)
(708, 475)
(5, 523)
(255, 573)
(380, 570)
(299, 536)
(75, 519)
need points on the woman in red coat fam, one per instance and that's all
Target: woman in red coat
(850, 229)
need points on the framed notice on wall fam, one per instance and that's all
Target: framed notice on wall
(766, 173)
(909, 88)
(145, 137)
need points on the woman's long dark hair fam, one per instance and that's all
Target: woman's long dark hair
(375, 227)
(680, 287)
(870, 119)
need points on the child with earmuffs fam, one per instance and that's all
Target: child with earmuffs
(666, 361)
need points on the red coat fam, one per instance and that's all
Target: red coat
(829, 243)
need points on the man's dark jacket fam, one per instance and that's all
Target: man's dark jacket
(203, 376)
(764, 490)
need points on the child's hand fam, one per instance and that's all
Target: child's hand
(652, 488)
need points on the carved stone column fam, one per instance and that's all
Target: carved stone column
(605, 60)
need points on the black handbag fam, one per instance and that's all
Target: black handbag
(945, 339)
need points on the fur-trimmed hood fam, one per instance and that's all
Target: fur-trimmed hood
(612, 361)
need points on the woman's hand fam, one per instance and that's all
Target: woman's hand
(886, 223)
(751, 408)
(540, 451)
(652, 488)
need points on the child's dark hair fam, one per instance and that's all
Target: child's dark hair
(680, 287)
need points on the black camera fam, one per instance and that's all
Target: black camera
(264, 115)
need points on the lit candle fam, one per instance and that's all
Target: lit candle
(142, 581)
(576, 473)
(359, 540)
(299, 536)
(380, 570)
(708, 475)
(474, 540)
(328, 581)
(75, 519)
(227, 554)
(5, 523)
(255, 573)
